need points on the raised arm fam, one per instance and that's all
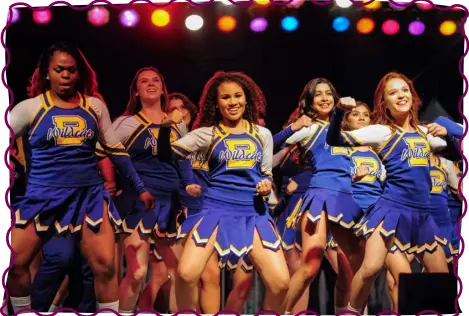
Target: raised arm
(453, 128)
(282, 136)
(373, 135)
(441, 141)
(302, 134)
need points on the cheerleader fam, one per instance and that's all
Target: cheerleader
(296, 176)
(454, 200)
(455, 207)
(138, 130)
(192, 203)
(404, 148)
(234, 219)
(442, 176)
(328, 203)
(368, 175)
(65, 191)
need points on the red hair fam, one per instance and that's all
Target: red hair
(380, 113)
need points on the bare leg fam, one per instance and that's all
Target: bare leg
(26, 244)
(350, 253)
(434, 262)
(294, 262)
(376, 250)
(397, 263)
(272, 268)
(171, 252)
(119, 256)
(61, 294)
(192, 264)
(158, 277)
(242, 285)
(210, 290)
(136, 254)
(314, 242)
(98, 248)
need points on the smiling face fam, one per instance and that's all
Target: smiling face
(397, 97)
(63, 73)
(323, 100)
(359, 117)
(231, 101)
(149, 87)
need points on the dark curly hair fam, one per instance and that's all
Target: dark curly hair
(87, 84)
(134, 104)
(255, 100)
(307, 97)
(187, 104)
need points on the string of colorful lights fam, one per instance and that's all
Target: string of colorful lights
(99, 16)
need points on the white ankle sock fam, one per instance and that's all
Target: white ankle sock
(121, 311)
(19, 303)
(350, 308)
(112, 305)
(338, 309)
(52, 308)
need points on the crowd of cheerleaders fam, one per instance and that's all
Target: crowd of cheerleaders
(192, 192)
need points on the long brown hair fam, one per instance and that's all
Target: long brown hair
(307, 97)
(381, 114)
(134, 105)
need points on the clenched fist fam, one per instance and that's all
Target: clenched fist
(347, 104)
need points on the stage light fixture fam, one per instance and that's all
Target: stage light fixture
(227, 23)
(341, 24)
(98, 16)
(258, 25)
(42, 16)
(160, 18)
(194, 22)
(290, 23)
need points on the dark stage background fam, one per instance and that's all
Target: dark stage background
(281, 62)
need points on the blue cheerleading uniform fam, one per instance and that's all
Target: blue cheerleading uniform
(65, 188)
(60, 255)
(302, 176)
(405, 156)
(439, 204)
(200, 177)
(367, 190)
(236, 163)
(139, 135)
(330, 188)
(455, 206)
